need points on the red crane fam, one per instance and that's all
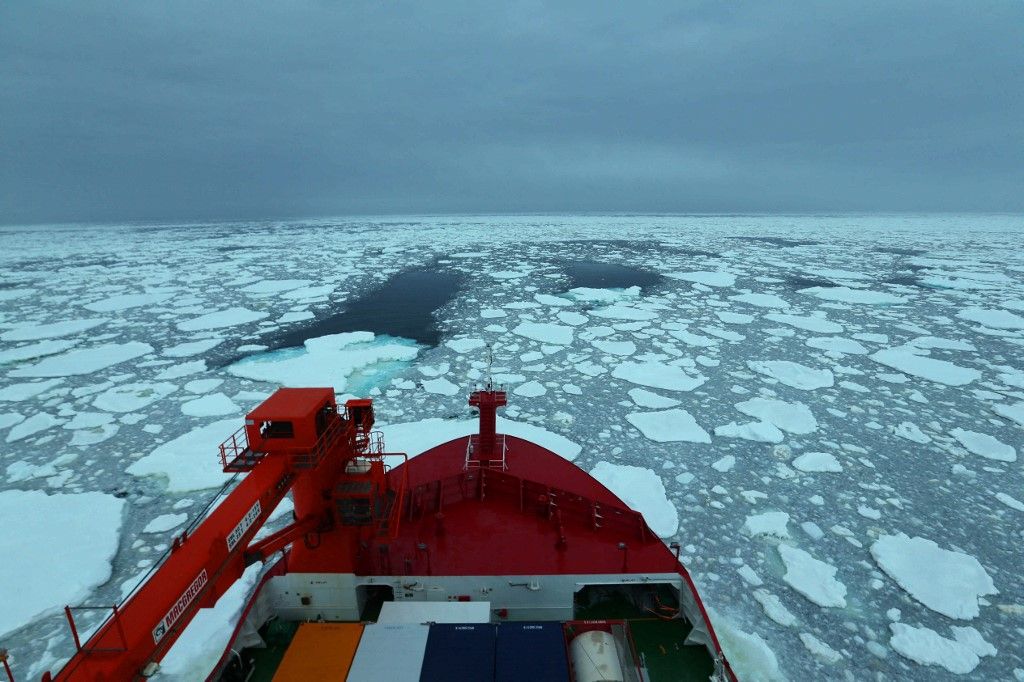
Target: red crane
(296, 440)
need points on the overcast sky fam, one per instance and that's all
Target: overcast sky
(188, 109)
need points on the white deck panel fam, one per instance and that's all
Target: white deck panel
(392, 652)
(435, 612)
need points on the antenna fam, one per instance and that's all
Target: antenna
(490, 363)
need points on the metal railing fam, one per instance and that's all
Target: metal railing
(496, 463)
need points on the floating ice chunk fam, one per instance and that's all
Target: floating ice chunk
(761, 300)
(749, 655)
(52, 330)
(547, 299)
(194, 654)
(11, 294)
(622, 312)
(588, 295)
(189, 462)
(75, 537)
(85, 361)
(927, 647)
(440, 386)
(1013, 412)
(658, 375)
(296, 316)
(645, 398)
(465, 345)
(749, 576)
(184, 350)
(414, 438)
(273, 286)
(88, 420)
(492, 313)
(1011, 502)
(760, 432)
(126, 301)
(985, 445)
(18, 392)
(819, 649)
(711, 279)
(995, 319)
(203, 385)
(615, 347)
(182, 369)
(222, 318)
(545, 332)
(774, 609)
(94, 435)
(791, 417)
(726, 334)
(943, 580)
(817, 462)
(932, 342)
(574, 319)
(725, 464)
(213, 405)
(643, 490)
(810, 323)
(734, 318)
(8, 419)
(837, 344)
(812, 578)
(669, 426)
(774, 523)
(530, 389)
(36, 350)
(692, 339)
(869, 512)
(31, 426)
(939, 371)
(793, 374)
(334, 360)
(165, 522)
(910, 431)
(132, 397)
(848, 295)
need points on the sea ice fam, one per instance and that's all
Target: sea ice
(645, 398)
(52, 330)
(848, 295)
(985, 445)
(761, 300)
(793, 374)
(189, 462)
(927, 647)
(1013, 412)
(817, 462)
(545, 332)
(658, 375)
(37, 350)
(837, 344)
(711, 279)
(17, 392)
(996, 319)
(165, 522)
(668, 426)
(132, 397)
(213, 405)
(58, 550)
(465, 345)
(643, 490)
(126, 301)
(440, 386)
(943, 580)
(812, 578)
(84, 361)
(760, 432)
(530, 389)
(811, 323)
(791, 417)
(774, 523)
(222, 318)
(189, 348)
(939, 371)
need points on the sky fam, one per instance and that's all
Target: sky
(182, 109)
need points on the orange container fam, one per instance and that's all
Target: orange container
(320, 651)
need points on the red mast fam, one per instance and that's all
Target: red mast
(483, 449)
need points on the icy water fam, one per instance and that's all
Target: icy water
(791, 398)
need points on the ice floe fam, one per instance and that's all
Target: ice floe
(790, 417)
(229, 317)
(668, 426)
(84, 361)
(939, 371)
(793, 374)
(816, 462)
(52, 330)
(190, 461)
(848, 295)
(132, 397)
(996, 319)
(658, 375)
(643, 490)
(708, 278)
(60, 548)
(812, 578)
(545, 332)
(946, 581)
(985, 445)
(959, 655)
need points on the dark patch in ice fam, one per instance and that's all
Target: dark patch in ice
(234, 247)
(404, 306)
(898, 251)
(778, 241)
(695, 252)
(598, 275)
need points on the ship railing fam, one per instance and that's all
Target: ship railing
(473, 444)
(327, 441)
(235, 453)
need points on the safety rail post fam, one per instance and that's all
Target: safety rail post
(7, 668)
(74, 630)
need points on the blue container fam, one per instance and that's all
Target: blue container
(531, 651)
(459, 652)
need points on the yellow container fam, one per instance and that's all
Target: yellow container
(320, 651)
